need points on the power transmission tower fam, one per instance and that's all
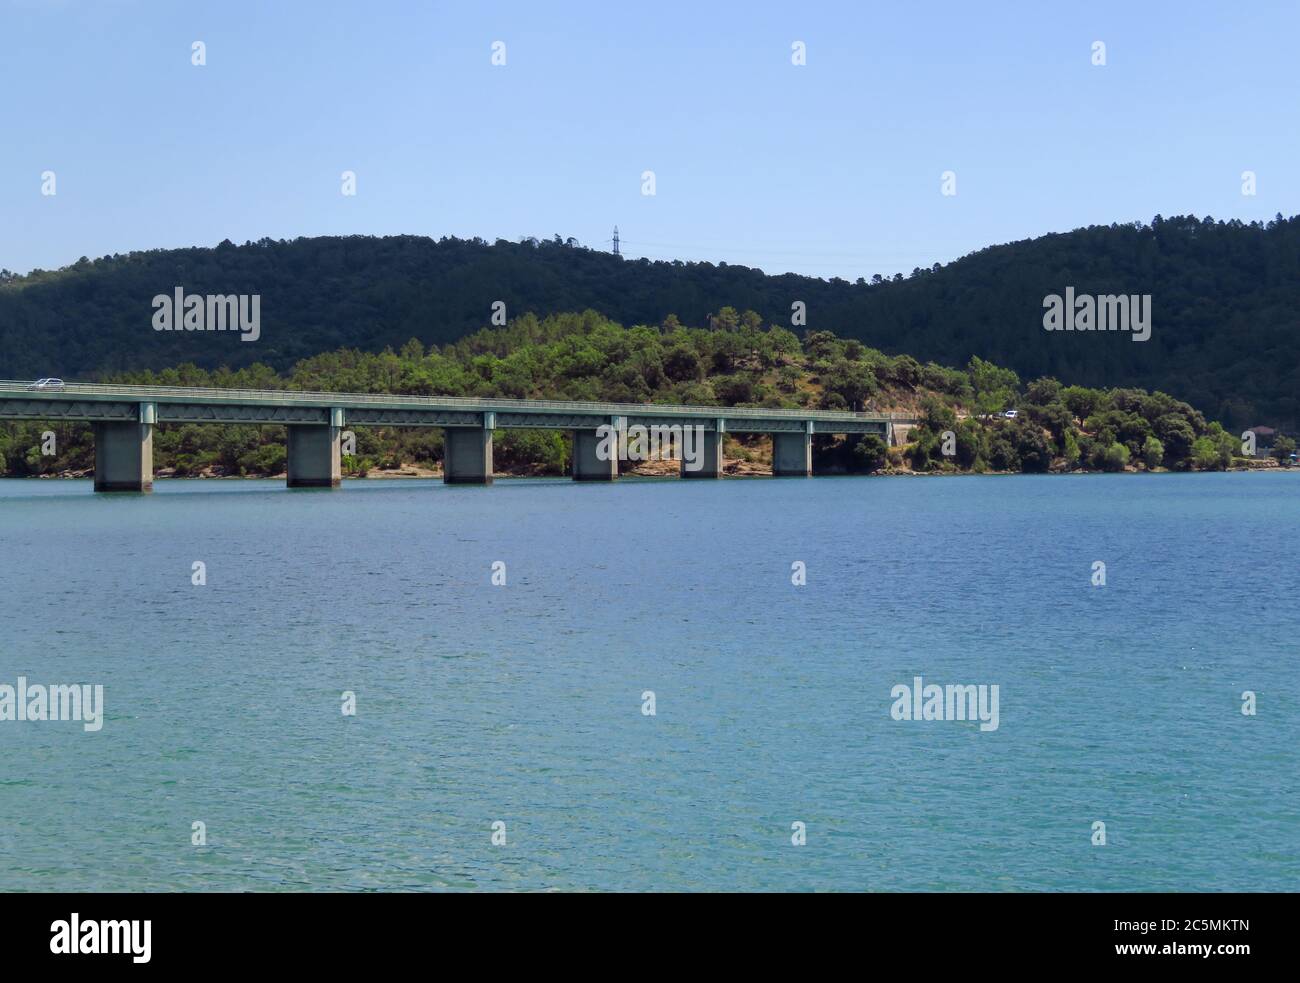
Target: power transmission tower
(616, 252)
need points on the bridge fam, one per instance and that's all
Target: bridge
(124, 418)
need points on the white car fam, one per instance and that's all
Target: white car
(1011, 414)
(47, 384)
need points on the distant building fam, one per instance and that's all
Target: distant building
(1264, 437)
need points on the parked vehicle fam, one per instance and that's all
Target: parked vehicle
(1011, 414)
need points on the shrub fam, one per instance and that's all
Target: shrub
(1115, 457)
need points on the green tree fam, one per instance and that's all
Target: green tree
(869, 453)
(1032, 447)
(1002, 453)
(1153, 452)
(1283, 448)
(1177, 435)
(1205, 455)
(1115, 458)
(1042, 392)
(1081, 402)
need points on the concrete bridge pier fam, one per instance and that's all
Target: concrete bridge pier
(596, 454)
(124, 453)
(467, 453)
(792, 453)
(708, 448)
(315, 456)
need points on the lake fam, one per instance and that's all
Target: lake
(526, 705)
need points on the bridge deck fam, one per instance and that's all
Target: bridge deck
(175, 404)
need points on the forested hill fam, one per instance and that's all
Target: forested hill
(1225, 305)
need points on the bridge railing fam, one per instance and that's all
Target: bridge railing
(490, 403)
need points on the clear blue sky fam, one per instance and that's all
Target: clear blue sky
(831, 169)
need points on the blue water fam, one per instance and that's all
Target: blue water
(523, 704)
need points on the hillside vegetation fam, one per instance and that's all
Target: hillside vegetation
(1225, 303)
(737, 362)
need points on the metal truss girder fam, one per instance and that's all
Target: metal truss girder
(61, 409)
(413, 418)
(233, 413)
(738, 424)
(853, 427)
(551, 421)
(708, 423)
